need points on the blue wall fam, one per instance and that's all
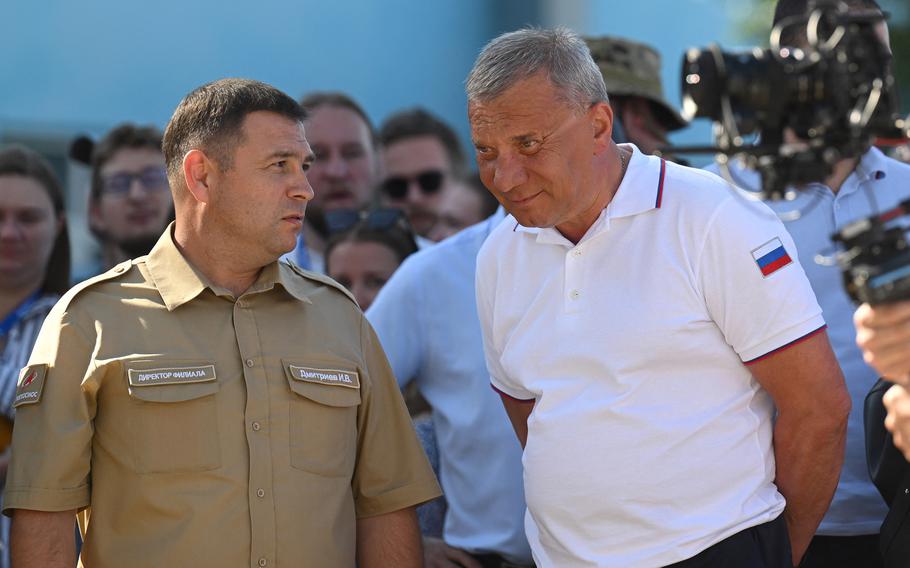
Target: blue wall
(70, 67)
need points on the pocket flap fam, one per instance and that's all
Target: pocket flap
(170, 381)
(329, 383)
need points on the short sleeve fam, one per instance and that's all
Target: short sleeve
(392, 471)
(754, 286)
(485, 290)
(52, 439)
(396, 320)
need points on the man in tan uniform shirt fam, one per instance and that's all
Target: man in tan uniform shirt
(206, 405)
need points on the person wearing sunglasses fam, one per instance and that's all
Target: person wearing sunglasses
(366, 248)
(129, 201)
(421, 157)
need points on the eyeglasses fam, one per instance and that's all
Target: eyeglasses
(151, 179)
(429, 182)
(380, 219)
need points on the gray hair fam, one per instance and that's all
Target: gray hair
(517, 55)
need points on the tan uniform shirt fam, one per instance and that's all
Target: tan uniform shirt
(196, 430)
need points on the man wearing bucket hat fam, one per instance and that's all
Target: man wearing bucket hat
(631, 72)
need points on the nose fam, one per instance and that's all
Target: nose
(414, 194)
(137, 189)
(336, 166)
(301, 188)
(10, 230)
(359, 290)
(508, 173)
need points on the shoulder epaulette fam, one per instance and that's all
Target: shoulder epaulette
(322, 279)
(115, 272)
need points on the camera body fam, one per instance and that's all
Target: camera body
(809, 105)
(875, 257)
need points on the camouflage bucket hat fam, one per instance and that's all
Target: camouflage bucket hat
(630, 68)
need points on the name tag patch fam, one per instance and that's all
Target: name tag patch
(30, 385)
(171, 376)
(335, 377)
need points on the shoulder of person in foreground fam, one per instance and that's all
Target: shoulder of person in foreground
(320, 282)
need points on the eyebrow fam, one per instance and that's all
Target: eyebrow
(309, 158)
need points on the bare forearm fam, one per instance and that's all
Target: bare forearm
(809, 455)
(392, 539)
(43, 540)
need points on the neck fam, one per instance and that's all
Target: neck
(614, 163)
(112, 255)
(841, 172)
(11, 299)
(215, 258)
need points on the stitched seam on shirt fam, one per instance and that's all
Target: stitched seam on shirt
(708, 227)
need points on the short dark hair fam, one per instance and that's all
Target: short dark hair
(415, 122)
(21, 161)
(312, 101)
(794, 9)
(126, 135)
(211, 118)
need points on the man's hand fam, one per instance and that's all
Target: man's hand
(897, 401)
(883, 333)
(438, 554)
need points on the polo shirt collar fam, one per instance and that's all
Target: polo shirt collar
(640, 191)
(642, 187)
(179, 282)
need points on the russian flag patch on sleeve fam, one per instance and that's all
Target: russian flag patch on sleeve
(771, 257)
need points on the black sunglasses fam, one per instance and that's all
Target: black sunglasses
(380, 219)
(429, 182)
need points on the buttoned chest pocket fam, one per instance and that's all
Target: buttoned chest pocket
(323, 416)
(173, 420)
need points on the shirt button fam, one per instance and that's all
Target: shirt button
(263, 562)
(575, 294)
(256, 426)
(260, 493)
(576, 252)
(249, 362)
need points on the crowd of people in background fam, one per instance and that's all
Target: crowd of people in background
(398, 217)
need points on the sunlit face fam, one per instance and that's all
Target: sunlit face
(406, 160)
(362, 267)
(344, 172)
(260, 201)
(28, 228)
(535, 153)
(135, 202)
(460, 208)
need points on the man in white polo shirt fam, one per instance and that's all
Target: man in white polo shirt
(642, 323)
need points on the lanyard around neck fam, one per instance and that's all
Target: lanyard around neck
(10, 321)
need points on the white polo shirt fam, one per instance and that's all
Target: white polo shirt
(649, 440)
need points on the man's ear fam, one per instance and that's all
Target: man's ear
(602, 120)
(198, 170)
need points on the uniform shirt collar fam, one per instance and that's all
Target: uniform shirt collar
(641, 190)
(179, 282)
